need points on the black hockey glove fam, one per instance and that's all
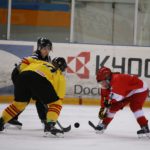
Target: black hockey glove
(107, 104)
(15, 73)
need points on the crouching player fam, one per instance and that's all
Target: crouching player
(46, 83)
(118, 90)
(44, 47)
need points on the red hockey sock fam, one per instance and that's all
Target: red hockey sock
(107, 120)
(142, 121)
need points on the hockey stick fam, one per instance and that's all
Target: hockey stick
(64, 129)
(92, 125)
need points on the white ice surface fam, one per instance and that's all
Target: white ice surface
(120, 135)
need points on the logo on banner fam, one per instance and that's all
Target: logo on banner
(77, 65)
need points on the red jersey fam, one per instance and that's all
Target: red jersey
(122, 86)
(104, 96)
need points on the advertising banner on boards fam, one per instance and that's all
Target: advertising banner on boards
(83, 62)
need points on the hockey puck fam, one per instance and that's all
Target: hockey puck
(76, 125)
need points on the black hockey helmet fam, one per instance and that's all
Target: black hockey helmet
(59, 62)
(44, 42)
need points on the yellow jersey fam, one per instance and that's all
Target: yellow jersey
(47, 70)
(27, 61)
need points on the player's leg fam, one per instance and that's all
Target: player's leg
(41, 110)
(54, 109)
(22, 96)
(14, 121)
(14, 75)
(113, 109)
(47, 95)
(11, 111)
(136, 105)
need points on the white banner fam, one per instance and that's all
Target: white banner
(83, 61)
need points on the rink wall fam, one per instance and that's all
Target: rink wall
(83, 61)
(35, 14)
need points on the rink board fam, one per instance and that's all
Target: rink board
(67, 100)
(83, 62)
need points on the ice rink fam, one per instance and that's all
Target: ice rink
(121, 134)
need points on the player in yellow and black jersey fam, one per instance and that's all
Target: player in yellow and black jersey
(44, 46)
(46, 83)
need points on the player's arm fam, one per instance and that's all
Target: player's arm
(118, 90)
(104, 101)
(15, 73)
(116, 96)
(19, 67)
(61, 91)
(25, 62)
(104, 96)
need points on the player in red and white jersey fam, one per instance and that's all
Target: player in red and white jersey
(117, 91)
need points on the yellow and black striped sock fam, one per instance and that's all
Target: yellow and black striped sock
(12, 110)
(54, 110)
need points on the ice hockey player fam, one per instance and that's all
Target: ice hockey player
(44, 46)
(118, 90)
(47, 84)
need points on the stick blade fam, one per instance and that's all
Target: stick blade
(92, 125)
(67, 129)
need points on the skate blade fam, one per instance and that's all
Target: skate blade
(142, 136)
(49, 135)
(99, 132)
(2, 132)
(148, 135)
(10, 126)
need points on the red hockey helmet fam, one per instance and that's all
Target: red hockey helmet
(103, 73)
